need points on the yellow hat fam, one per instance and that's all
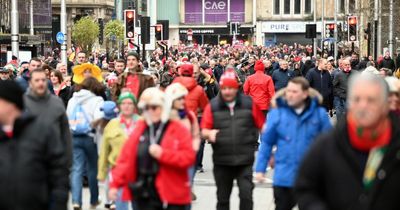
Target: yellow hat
(80, 69)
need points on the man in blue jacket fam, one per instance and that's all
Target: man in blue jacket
(291, 126)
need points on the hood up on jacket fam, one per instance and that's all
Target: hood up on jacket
(189, 82)
(83, 95)
(312, 93)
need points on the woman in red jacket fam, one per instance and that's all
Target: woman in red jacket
(153, 164)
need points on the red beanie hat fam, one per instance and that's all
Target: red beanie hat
(186, 70)
(228, 79)
(259, 66)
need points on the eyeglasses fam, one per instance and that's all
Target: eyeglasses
(151, 107)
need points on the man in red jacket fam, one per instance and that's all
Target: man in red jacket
(197, 99)
(260, 87)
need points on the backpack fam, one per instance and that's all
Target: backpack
(79, 121)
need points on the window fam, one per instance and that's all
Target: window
(286, 9)
(352, 5)
(341, 6)
(297, 6)
(277, 7)
(307, 6)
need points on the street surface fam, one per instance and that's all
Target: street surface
(204, 188)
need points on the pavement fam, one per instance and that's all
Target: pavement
(205, 190)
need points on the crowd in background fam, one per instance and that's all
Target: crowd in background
(140, 126)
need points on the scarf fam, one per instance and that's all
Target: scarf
(367, 139)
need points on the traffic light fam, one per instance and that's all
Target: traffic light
(129, 16)
(101, 30)
(352, 23)
(165, 28)
(367, 32)
(159, 32)
(329, 30)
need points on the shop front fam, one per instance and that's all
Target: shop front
(215, 36)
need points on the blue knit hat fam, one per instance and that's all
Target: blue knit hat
(110, 110)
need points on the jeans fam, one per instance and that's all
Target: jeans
(284, 198)
(121, 205)
(224, 177)
(84, 150)
(199, 156)
(340, 107)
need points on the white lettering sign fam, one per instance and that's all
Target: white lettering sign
(287, 27)
(214, 5)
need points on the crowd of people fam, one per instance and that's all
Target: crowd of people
(328, 127)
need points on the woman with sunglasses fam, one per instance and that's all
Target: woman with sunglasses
(153, 163)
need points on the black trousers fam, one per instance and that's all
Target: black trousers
(284, 198)
(224, 177)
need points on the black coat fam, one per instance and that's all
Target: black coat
(321, 81)
(388, 63)
(34, 173)
(330, 177)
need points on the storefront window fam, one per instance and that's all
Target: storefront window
(297, 7)
(277, 7)
(307, 6)
(286, 10)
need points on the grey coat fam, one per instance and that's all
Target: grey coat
(51, 110)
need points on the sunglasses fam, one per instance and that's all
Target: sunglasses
(151, 107)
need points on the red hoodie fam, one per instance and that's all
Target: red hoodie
(197, 98)
(260, 88)
(172, 180)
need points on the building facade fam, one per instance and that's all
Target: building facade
(208, 20)
(284, 21)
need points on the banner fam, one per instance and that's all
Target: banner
(215, 11)
(193, 11)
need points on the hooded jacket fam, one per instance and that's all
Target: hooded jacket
(331, 175)
(260, 88)
(50, 109)
(90, 102)
(292, 133)
(196, 99)
(34, 170)
(172, 179)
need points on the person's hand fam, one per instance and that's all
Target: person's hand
(155, 151)
(113, 194)
(213, 136)
(260, 177)
(272, 162)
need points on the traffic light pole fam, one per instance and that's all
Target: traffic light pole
(14, 28)
(336, 32)
(63, 28)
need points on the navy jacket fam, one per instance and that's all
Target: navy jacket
(321, 81)
(281, 78)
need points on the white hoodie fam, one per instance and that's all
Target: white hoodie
(90, 103)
